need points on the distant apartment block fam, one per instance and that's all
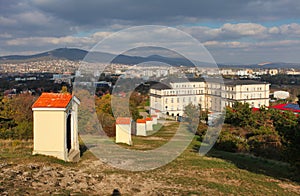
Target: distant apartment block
(210, 94)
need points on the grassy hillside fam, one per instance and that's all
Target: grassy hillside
(218, 173)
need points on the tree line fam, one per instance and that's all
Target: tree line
(268, 133)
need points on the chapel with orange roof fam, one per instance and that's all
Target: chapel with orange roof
(55, 126)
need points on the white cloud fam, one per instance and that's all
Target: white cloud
(40, 41)
(101, 35)
(5, 35)
(273, 30)
(290, 29)
(7, 21)
(244, 29)
(232, 44)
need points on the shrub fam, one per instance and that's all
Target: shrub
(231, 143)
(266, 145)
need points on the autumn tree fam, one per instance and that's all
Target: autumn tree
(105, 114)
(64, 89)
(18, 110)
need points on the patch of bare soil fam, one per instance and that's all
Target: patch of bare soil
(291, 187)
(89, 177)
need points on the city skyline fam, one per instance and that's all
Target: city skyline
(235, 32)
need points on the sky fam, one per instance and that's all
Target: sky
(233, 31)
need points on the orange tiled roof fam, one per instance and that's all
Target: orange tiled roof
(148, 119)
(154, 115)
(53, 100)
(140, 121)
(123, 120)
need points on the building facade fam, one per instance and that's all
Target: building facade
(171, 99)
(208, 94)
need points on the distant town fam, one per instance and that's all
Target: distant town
(36, 76)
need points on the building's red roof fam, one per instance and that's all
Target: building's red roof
(123, 120)
(287, 107)
(157, 110)
(155, 116)
(255, 109)
(140, 121)
(148, 119)
(53, 100)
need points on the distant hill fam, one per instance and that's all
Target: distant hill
(74, 54)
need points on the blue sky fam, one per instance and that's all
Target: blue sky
(233, 31)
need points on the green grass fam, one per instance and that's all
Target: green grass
(218, 173)
(15, 148)
(158, 137)
(141, 109)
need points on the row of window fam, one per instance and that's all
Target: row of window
(252, 104)
(245, 96)
(182, 99)
(228, 88)
(183, 92)
(187, 86)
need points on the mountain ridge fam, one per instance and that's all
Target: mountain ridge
(75, 54)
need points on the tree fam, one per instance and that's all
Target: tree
(239, 115)
(17, 109)
(103, 104)
(192, 116)
(266, 145)
(64, 89)
(105, 115)
(227, 141)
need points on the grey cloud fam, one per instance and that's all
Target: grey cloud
(61, 18)
(39, 25)
(94, 12)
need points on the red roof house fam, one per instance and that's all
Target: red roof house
(123, 120)
(53, 100)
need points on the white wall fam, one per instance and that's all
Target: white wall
(123, 134)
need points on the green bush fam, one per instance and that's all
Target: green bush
(266, 145)
(201, 130)
(231, 143)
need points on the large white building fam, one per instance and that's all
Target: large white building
(211, 94)
(172, 98)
